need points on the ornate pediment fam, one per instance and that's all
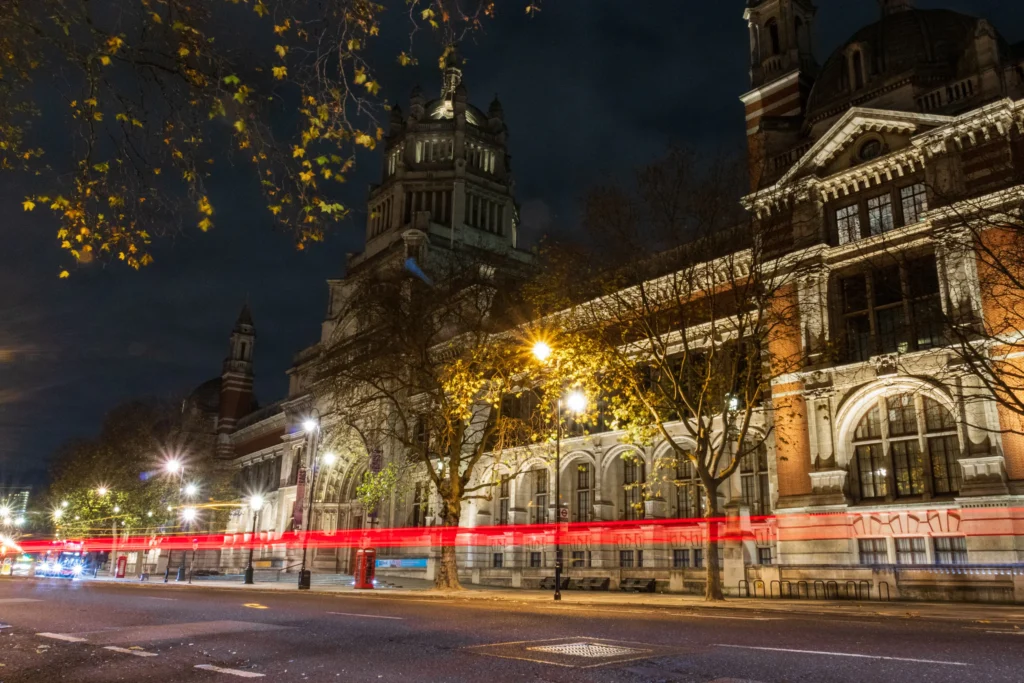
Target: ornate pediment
(861, 137)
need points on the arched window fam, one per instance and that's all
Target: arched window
(633, 479)
(898, 442)
(584, 492)
(773, 36)
(690, 499)
(858, 70)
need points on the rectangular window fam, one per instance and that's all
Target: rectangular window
(764, 556)
(950, 550)
(680, 558)
(540, 496)
(873, 551)
(848, 224)
(580, 558)
(698, 558)
(536, 560)
(871, 471)
(892, 309)
(498, 560)
(880, 214)
(910, 551)
(915, 202)
(503, 501)
(584, 487)
(633, 479)
(908, 467)
(945, 468)
(754, 481)
(625, 558)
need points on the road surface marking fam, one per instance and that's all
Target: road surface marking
(255, 605)
(150, 597)
(845, 654)
(368, 616)
(62, 636)
(233, 672)
(1005, 633)
(137, 653)
(15, 601)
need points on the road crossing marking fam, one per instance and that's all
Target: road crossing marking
(128, 651)
(233, 672)
(845, 654)
(368, 616)
(62, 636)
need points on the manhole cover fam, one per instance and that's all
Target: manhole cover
(597, 650)
(578, 652)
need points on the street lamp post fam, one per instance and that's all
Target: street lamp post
(312, 427)
(576, 402)
(255, 504)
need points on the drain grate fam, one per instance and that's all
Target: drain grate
(591, 650)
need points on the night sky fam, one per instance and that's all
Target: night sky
(590, 88)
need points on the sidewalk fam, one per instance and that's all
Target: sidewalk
(422, 590)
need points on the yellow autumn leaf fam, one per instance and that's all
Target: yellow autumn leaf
(64, 274)
(205, 224)
(281, 50)
(240, 125)
(156, 17)
(365, 140)
(183, 51)
(360, 76)
(275, 209)
(28, 205)
(280, 72)
(204, 206)
(298, 152)
(104, 60)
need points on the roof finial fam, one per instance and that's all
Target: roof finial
(451, 64)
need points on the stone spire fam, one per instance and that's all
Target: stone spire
(451, 64)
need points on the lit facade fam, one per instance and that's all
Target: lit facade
(886, 455)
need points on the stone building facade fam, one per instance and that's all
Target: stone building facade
(889, 466)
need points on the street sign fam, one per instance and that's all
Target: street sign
(563, 513)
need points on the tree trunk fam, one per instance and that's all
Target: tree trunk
(447, 577)
(713, 587)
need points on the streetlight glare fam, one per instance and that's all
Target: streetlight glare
(117, 508)
(189, 514)
(57, 514)
(5, 511)
(330, 458)
(256, 502)
(64, 503)
(173, 466)
(576, 402)
(541, 351)
(309, 425)
(191, 490)
(103, 490)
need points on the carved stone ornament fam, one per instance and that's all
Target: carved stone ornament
(828, 481)
(886, 364)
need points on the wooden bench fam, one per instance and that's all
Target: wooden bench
(637, 585)
(593, 583)
(548, 583)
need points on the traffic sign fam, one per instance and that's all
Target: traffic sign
(195, 544)
(563, 513)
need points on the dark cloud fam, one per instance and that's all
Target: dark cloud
(590, 88)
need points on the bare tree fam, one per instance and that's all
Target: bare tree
(693, 312)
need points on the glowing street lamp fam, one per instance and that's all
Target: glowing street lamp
(173, 466)
(189, 515)
(57, 514)
(64, 503)
(309, 425)
(541, 351)
(329, 458)
(5, 511)
(255, 504)
(102, 491)
(191, 490)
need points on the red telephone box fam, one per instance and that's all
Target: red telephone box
(122, 564)
(366, 567)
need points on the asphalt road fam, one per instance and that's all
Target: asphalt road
(52, 630)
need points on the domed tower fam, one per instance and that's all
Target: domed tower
(236, 398)
(446, 181)
(782, 71)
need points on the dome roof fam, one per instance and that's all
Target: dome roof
(206, 396)
(930, 42)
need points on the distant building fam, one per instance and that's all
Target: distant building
(15, 499)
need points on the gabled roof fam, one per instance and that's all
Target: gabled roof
(851, 126)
